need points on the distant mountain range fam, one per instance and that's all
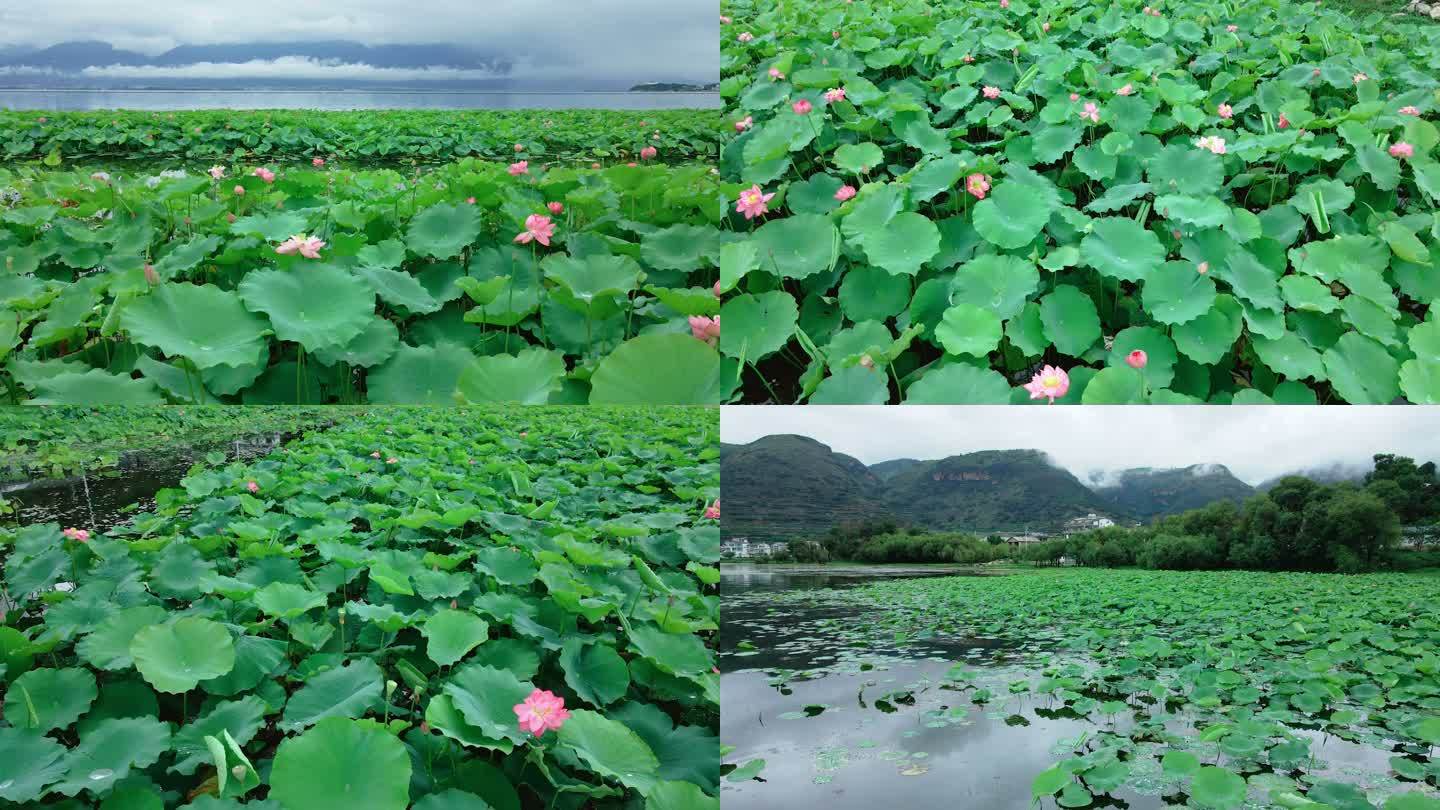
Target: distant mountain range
(304, 65)
(786, 487)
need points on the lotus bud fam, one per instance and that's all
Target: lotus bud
(151, 277)
(390, 687)
(238, 771)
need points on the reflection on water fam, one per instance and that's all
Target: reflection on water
(99, 501)
(847, 718)
(343, 100)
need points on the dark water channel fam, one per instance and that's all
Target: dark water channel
(847, 718)
(99, 500)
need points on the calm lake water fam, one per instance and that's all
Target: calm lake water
(342, 100)
(846, 720)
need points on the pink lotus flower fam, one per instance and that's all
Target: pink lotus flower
(470, 200)
(519, 168)
(265, 174)
(845, 193)
(706, 330)
(375, 454)
(1232, 28)
(1128, 89)
(253, 487)
(752, 202)
(775, 74)
(1202, 268)
(1074, 96)
(712, 512)
(524, 433)
(802, 107)
(1226, 111)
(392, 460)
(745, 123)
(1402, 150)
(595, 165)
(717, 289)
(1045, 27)
(306, 246)
(318, 162)
(745, 36)
(1282, 122)
(967, 59)
(239, 191)
(990, 91)
(834, 94)
(537, 229)
(151, 277)
(542, 711)
(976, 185)
(1004, 3)
(1137, 359)
(1410, 110)
(519, 148)
(724, 20)
(1361, 77)
(79, 535)
(217, 172)
(556, 208)
(1090, 113)
(1213, 143)
(101, 177)
(1049, 382)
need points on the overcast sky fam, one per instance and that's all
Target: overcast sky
(596, 38)
(1255, 442)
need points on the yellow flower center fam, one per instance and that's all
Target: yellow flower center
(1050, 381)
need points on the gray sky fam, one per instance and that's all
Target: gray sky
(597, 38)
(1255, 442)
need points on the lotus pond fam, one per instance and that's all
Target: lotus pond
(472, 281)
(350, 621)
(943, 199)
(858, 688)
(200, 137)
(64, 440)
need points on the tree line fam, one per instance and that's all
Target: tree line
(1298, 525)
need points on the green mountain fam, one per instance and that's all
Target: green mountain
(1148, 493)
(783, 487)
(886, 470)
(992, 490)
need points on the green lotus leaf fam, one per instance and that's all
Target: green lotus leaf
(1207, 338)
(242, 719)
(1291, 356)
(1362, 371)
(322, 307)
(451, 634)
(108, 647)
(95, 387)
(959, 384)
(175, 657)
(442, 231)
(108, 751)
(399, 289)
(1012, 215)
(529, 377)
(658, 369)
(679, 796)
(1070, 320)
(346, 691)
(902, 244)
(1159, 350)
(595, 671)
(757, 326)
(798, 246)
(45, 699)
(969, 329)
(611, 749)
(341, 765)
(1115, 385)
(428, 375)
(1176, 293)
(869, 294)
(1217, 788)
(486, 697)
(1001, 284)
(1120, 248)
(28, 763)
(373, 346)
(285, 601)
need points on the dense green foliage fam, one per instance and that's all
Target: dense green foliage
(882, 542)
(349, 622)
(171, 287)
(67, 439)
(1202, 687)
(1296, 525)
(198, 138)
(1295, 262)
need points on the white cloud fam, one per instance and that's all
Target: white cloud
(1256, 443)
(651, 38)
(289, 67)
